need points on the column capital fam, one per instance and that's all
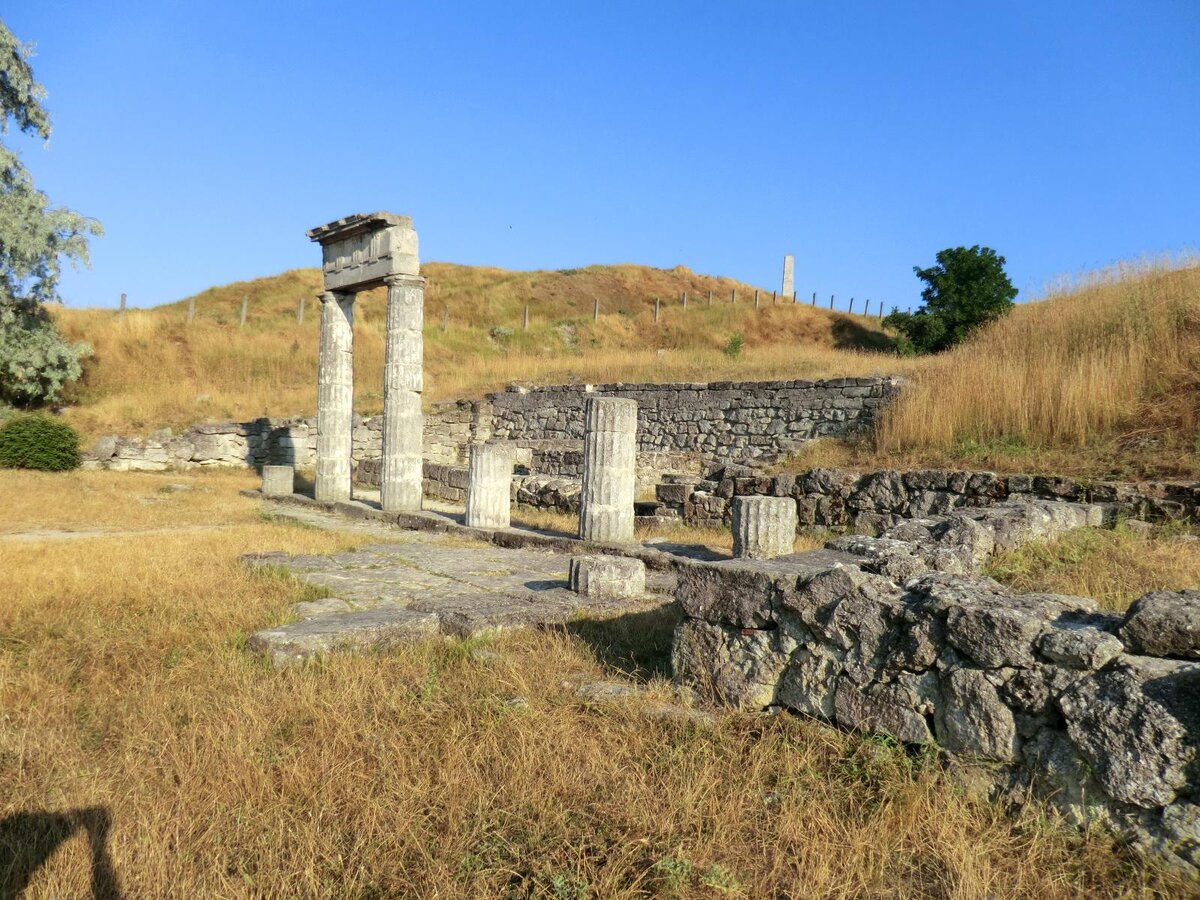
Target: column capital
(335, 296)
(406, 280)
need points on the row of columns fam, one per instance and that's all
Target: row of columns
(403, 424)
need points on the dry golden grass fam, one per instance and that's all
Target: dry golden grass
(151, 369)
(1101, 371)
(1115, 567)
(124, 688)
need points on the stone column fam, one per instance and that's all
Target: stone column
(763, 527)
(400, 486)
(788, 277)
(277, 481)
(489, 486)
(609, 469)
(335, 396)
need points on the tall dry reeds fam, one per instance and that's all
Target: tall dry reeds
(1116, 351)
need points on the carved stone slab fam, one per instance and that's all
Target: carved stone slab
(359, 251)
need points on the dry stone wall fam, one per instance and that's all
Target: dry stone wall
(721, 419)
(448, 431)
(1098, 711)
(872, 501)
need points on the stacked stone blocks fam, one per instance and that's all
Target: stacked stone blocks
(609, 462)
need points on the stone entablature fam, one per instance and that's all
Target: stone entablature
(359, 251)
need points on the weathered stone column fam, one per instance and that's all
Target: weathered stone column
(609, 464)
(278, 481)
(763, 527)
(489, 486)
(335, 396)
(400, 485)
(789, 263)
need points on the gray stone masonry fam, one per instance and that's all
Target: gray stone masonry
(403, 382)
(335, 396)
(1099, 712)
(719, 420)
(870, 502)
(609, 452)
(278, 481)
(489, 486)
(607, 576)
(763, 527)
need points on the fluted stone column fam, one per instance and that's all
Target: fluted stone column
(763, 527)
(335, 396)
(400, 485)
(278, 481)
(609, 462)
(489, 486)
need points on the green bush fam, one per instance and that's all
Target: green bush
(733, 349)
(38, 442)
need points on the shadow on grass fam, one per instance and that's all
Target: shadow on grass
(29, 839)
(636, 644)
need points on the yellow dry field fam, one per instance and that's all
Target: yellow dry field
(152, 368)
(142, 747)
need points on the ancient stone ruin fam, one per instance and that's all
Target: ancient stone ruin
(361, 252)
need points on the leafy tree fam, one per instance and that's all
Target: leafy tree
(35, 238)
(966, 289)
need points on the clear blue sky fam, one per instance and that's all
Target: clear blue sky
(862, 137)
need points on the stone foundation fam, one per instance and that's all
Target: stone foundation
(1045, 692)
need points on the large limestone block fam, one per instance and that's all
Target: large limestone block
(1164, 623)
(607, 576)
(763, 527)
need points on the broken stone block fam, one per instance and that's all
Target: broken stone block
(278, 481)
(607, 576)
(1164, 623)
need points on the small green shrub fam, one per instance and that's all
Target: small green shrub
(733, 349)
(38, 442)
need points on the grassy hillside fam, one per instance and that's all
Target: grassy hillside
(153, 369)
(1102, 377)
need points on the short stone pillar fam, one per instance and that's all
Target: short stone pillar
(789, 264)
(489, 486)
(403, 425)
(763, 527)
(335, 396)
(278, 481)
(607, 576)
(609, 464)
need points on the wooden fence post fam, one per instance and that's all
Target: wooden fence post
(814, 303)
(245, 309)
(300, 311)
(445, 317)
(596, 310)
(831, 301)
(851, 306)
(525, 319)
(191, 311)
(121, 311)
(657, 305)
(685, 299)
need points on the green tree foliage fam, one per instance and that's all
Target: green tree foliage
(38, 442)
(35, 239)
(966, 289)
